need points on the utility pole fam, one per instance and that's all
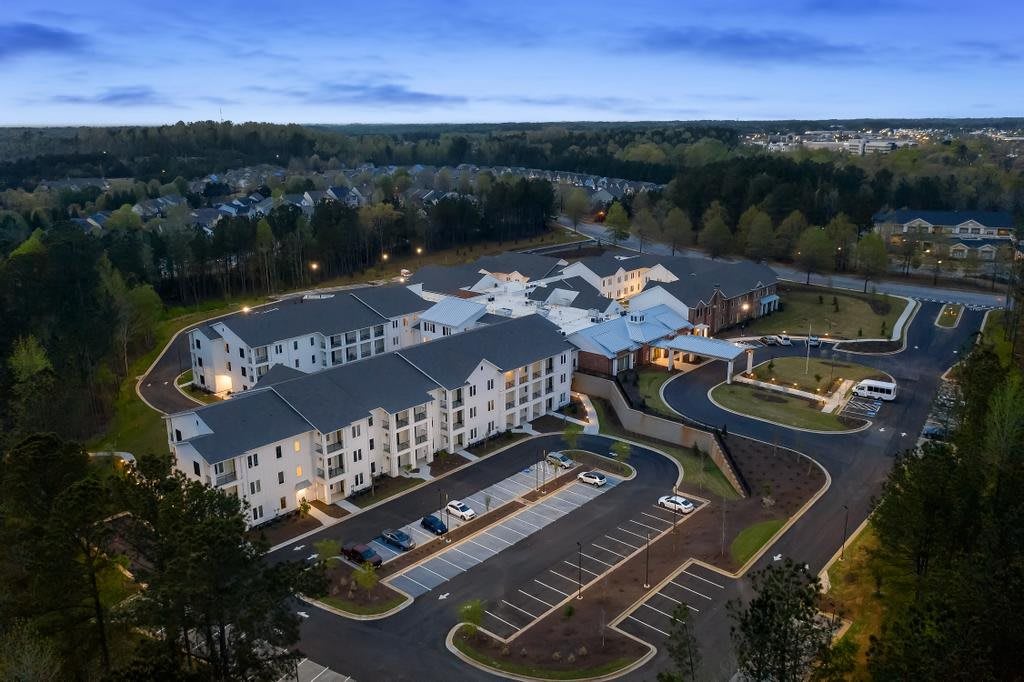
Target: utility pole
(579, 571)
(807, 364)
(647, 563)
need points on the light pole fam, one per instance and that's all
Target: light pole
(846, 523)
(807, 364)
(647, 563)
(935, 272)
(579, 571)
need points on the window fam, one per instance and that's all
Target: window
(490, 427)
(177, 435)
(312, 342)
(254, 487)
(358, 480)
(355, 430)
(490, 406)
(244, 387)
(243, 370)
(297, 445)
(357, 456)
(202, 379)
(280, 477)
(197, 343)
(371, 444)
(472, 434)
(195, 467)
(394, 325)
(257, 513)
(378, 330)
(227, 348)
(312, 359)
(472, 391)
(562, 378)
(563, 358)
(296, 363)
(229, 365)
(199, 361)
(472, 412)
(284, 503)
(298, 472)
(369, 420)
(241, 352)
(279, 349)
(253, 460)
(277, 451)
(490, 384)
(295, 345)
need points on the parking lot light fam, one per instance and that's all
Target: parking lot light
(579, 571)
(647, 563)
(846, 524)
(448, 535)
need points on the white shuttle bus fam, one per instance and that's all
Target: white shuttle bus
(880, 390)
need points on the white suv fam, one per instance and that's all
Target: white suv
(594, 478)
(460, 510)
(676, 503)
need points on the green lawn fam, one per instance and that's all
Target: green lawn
(855, 318)
(511, 666)
(775, 406)
(949, 315)
(790, 371)
(386, 487)
(649, 382)
(697, 471)
(752, 538)
(995, 334)
(362, 609)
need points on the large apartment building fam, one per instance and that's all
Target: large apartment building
(956, 234)
(308, 333)
(324, 435)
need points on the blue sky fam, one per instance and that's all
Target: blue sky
(461, 61)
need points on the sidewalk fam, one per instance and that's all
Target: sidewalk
(836, 400)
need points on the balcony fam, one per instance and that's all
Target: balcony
(444, 405)
(536, 394)
(401, 423)
(419, 415)
(457, 403)
(524, 377)
(536, 374)
(403, 446)
(336, 341)
(549, 388)
(334, 447)
(387, 448)
(509, 404)
(509, 383)
(317, 448)
(523, 399)
(458, 425)
(227, 477)
(320, 473)
(420, 440)
(260, 356)
(334, 472)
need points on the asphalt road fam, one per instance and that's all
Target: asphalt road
(911, 290)
(410, 644)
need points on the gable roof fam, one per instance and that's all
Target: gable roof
(947, 218)
(246, 422)
(446, 280)
(629, 332)
(608, 264)
(528, 265)
(453, 312)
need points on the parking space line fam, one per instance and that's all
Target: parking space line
(521, 610)
(622, 542)
(721, 587)
(648, 625)
(484, 547)
(430, 570)
(487, 532)
(662, 594)
(475, 560)
(667, 615)
(318, 674)
(502, 620)
(529, 523)
(573, 492)
(580, 568)
(413, 580)
(610, 551)
(508, 527)
(555, 589)
(657, 518)
(597, 560)
(535, 509)
(550, 606)
(563, 577)
(384, 547)
(504, 489)
(689, 590)
(644, 525)
(452, 564)
(428, 536)
(631, 532)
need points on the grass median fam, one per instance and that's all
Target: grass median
(814, 374)
(949, 316)
(753, 538)
(779, 407)
(839, 314)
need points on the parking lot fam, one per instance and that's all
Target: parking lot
(577, 568)
(463, 555)
(694, 587)
(308, 671)
(491, 497)
(862, 408)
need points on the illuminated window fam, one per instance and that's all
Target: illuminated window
(298, 472)
(297, 446)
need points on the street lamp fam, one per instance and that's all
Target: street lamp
(384, 257)
(935, 272)
(647, 563)
(419, 250)
(579, 571)
(846, 523)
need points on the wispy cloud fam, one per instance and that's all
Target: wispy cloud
(127, 96)
(740, 45)
(22, 39)
(365, 93)
(858, 7)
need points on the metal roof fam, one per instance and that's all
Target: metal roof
(453, 312)
(702, 345)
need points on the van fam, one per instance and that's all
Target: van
(879, 390)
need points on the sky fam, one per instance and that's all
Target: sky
(68, 62)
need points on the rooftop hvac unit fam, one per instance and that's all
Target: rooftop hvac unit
(490, 299)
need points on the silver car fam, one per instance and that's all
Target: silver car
(676, 503)
(594, 478)
(559, 459)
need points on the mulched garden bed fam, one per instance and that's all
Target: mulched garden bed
(592, 461)
(869, 346)
(284, 528)
(551, 485)
(422, 551)
(549, 424)
(445, 462)
(343, 592)
(489, 446)
(332, 510)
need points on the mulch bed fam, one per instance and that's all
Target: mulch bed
(340, 584)
(789, 480)
(422, 551)
(552, 485)
(489, 446)
(442, 464)
(870, 346)
(332, 510)
(592, 461)
(283, 529)
(549, 424)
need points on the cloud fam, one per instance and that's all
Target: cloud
(385, 94)
(982, 50)
(740, 45)
(127, 96)
(859, 7)
(21, 39)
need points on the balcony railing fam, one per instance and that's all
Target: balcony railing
(510, 383)
(524, 378)
(457, 403)
(536, 394)
(536, 374)
(260, 358)
(419, 416)
(523, 399)
(318, 448)
(387, 448)
(227, 477)
(402, 447)
(444, 404)
(320, 473)
(458, 425)
(420, 440)
(335, 471)
(335, 342)
(334, 447)
(401, 423)
(509, 404)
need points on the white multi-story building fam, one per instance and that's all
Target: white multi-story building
(308, 333)
(325, 435)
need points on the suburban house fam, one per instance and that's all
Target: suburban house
(307, 333)
(957, 234)
(347, 195)
(326, 435)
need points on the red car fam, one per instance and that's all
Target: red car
(361, 554)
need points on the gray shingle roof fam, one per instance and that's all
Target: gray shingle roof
(507, 345)
(246, 422)
(445, 280)
(276, 374)
(698, 278)
(587, 297)
(529, 265)
(607, 264)
(986, 218)
(344, 311)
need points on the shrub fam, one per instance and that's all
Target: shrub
(582, 651)
(568, 611)
(557, 656)
(821, 299)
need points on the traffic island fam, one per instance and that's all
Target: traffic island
(358, 593)
(780, 408)
(949, 316)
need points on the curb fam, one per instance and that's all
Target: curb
(959, 316)
(780, 424)
(352, 616)
(823, 573)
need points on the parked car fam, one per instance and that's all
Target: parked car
(406, 273)
(460, 510)
(434, 524)
(813, 341)
(783, 340)
(676, 503)
(768, 340)
(399, 539)
(594, 478)
(934, 432)
(560, 459)
(360, 554)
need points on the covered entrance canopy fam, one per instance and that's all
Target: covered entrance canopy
(706, 347)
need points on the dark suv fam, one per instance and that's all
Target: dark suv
(360, 554)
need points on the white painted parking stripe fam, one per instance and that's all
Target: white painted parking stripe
(597, 560)
(549, 514)
(580, 567)
(622, 542)
(521, 610)
(648, 625)
(538, 599)
(662, 594)
(555, 589)
(430, 570)
(631, 532)
(491, 552)
(644, 525)
(487, 532)
(667, 615)
(502, 620)
(568, 491)
(506, 490)
(689, 590)
(506, 526)
(564, 577)
(721, 587)
(610, 551)
(543, 518)
(475, 560)
(413, 580)
(417, 531)
(657, 518)
(318, 674)
(441, 557)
